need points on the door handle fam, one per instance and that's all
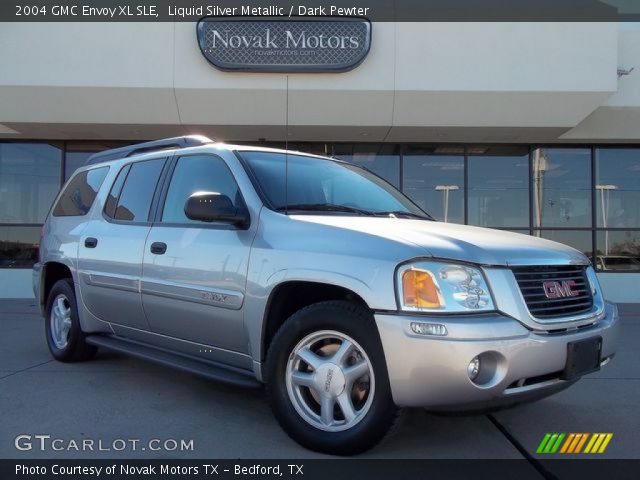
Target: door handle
(158, 248)
(91, 242)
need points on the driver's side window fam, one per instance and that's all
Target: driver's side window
(196, 173)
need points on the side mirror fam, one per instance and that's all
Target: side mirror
(214, 207)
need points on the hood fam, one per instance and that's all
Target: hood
(457, 242)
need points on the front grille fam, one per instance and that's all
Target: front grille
(531, 281)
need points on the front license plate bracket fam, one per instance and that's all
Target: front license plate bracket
(583, 356)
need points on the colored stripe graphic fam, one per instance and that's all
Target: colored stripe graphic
(598, 443)
(581, 443)
(565, 447)
(550, 443)
(543, 443)
(573, 443)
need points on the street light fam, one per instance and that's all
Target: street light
(605, 211)
(446, 189)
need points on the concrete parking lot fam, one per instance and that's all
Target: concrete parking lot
(117, 397)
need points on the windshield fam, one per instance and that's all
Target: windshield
(325, 185)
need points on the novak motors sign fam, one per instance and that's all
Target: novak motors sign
(323, 45)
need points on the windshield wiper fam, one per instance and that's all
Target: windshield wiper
(323, 207)
(403, 213)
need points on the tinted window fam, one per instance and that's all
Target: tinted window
(562, 187)
(73, 161)
(618, 250)
(436, 184)
(498, 194)
(381, 159)
(79, 194)
(578, 239)
(29, 181)
(193, 174)
(112, 199)
(297, 180)
(618, 187)
(19, 246)
(135, 200)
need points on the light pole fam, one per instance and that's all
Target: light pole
(446, 189)
(605, 210)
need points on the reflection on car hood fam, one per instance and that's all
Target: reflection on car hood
(457, 242)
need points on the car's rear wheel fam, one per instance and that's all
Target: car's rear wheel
(65, 338)
(327, 379)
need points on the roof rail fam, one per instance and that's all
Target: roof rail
(128, 151)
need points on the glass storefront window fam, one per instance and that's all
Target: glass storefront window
(578, 239)
(618, 187)
(19, 246)
(73, 161)
(561, 187)
(498, 192)
(503, 187)
(435, 183)
(618, 250)
(29, 181)
(383, 160)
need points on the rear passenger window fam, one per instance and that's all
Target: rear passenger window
(116, 188)
(78, 196)
(135, 200)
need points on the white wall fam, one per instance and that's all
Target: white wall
(15, 283)
(620, 287)
(417, 75)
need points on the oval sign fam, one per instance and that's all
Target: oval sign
(309, 45)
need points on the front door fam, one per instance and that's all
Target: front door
(194, 273)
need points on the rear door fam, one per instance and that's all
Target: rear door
(111, 247)
(194, 272)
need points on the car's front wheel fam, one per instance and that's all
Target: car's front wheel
(327, 379)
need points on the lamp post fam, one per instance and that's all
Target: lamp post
(446, 189)
(605, 210)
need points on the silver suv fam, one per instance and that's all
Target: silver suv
(313, 276)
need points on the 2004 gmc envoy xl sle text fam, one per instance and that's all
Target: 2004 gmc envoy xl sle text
(315, 277)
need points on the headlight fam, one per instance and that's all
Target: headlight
(443, 287)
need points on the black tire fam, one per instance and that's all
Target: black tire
(76, 349)
(357, 323)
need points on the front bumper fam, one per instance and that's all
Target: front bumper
(431, 371)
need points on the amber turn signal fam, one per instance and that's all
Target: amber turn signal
(419, 290)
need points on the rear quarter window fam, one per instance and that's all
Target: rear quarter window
(78, 196)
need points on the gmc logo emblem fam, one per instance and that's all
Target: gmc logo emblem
(560, 289)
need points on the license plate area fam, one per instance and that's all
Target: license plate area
(583, 357)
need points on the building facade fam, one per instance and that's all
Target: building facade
(529, 127)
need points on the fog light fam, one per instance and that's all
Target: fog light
(473, 369)
(429, 329)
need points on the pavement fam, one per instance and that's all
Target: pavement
(116, 397)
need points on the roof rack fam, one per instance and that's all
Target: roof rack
(167, 143)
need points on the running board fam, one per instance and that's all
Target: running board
(213, 371)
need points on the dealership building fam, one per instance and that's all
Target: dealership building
(527, 127)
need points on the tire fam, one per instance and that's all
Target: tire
(341, 411)
(65, 338)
